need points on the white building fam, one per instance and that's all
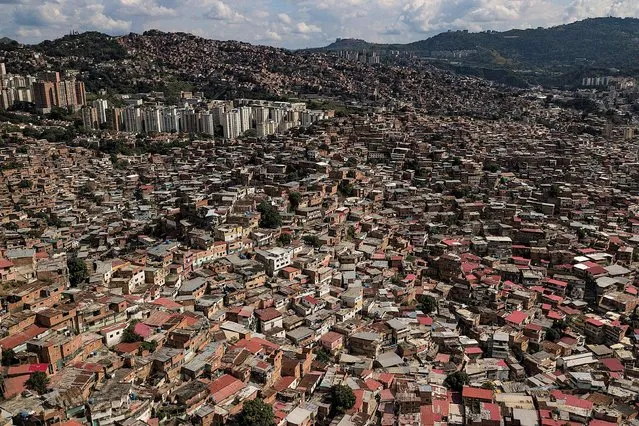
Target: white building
(245, 119)
(231, 124)
(101, 106)
(207, 124)
(153, 120)
(170, 119)
(132, 118)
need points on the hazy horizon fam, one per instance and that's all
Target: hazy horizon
(297, 24)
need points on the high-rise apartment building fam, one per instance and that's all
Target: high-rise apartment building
(261, 114)
(114, 119)
(101, 106)
(153, 120)
(170, 119)
(90, 118)
(80, 93)
(231, 124)
(245, 118)
(132, 118)
(45, 96)
(66, 94)
(190, 121)
(207, 125)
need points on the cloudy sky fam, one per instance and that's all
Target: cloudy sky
(294, 23)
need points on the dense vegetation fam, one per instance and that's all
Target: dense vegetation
(255, 413)
(92, 45)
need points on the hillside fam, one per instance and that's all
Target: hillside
(170, 62)
(598, 42)
(566, 51)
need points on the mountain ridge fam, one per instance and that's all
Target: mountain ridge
(596, 42)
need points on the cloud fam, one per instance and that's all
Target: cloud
(220, 11)
(96, 17)
(284, 18)
(39, 16)
(147, 8)
(304, 28)
(580, 9)
(296, 23)
(272, 36)
(391, 31)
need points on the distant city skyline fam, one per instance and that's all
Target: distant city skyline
(296, 23)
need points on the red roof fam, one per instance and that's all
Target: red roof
(359, 401)
(224, 386)
(424, 320)
(283, 383)
(4, 263)
(255, 345)
(426, 415)
(17, 339)
(19, 370)
(612, 364)
(15, 385)
(595, 322)
(142, 330)
(597, 270)
(601, 423)
(556, 282)
(473, 351)
(477, 393)
(373, 385)
(386, 378)
(517, 317)
(386, 395)
(311, 300)
(127, 348)
(166, 303)
(331, 337)
(493, 409)
(267, 314)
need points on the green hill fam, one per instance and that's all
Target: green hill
(90, 45)
(599, 42)
(558, 55)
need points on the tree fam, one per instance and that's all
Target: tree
(342, 397)
(250, 133)
(284, 239)
(38, 382)
(77, 271)
(345, 188)
(491, 167)
(351, 231)
(553, 335)
(129, 335)
(256, 413)
(9, 357)
(456, 381)
(351, 162)
(25, 183)
(322, 356)
(428, 305)
(270, 216)
(312, 240)
(294, 198)
(149, 346)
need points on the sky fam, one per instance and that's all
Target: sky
(295, 23)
